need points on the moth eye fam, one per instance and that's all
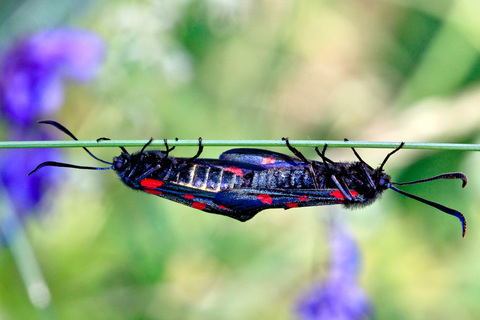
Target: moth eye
(382, 182)
(119, 163)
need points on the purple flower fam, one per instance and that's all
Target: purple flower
(32, 72)
(338, 296)
(26, 192)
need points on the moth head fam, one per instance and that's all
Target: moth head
(122, 162)
(383, 181)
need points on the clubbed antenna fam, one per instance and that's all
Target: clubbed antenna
(454, 175)
(68, 165)
(67, 132)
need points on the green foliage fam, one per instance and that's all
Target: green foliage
(375, 71)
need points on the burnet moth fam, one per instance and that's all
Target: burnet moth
(243, 182)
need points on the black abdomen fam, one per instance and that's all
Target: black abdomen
(211, 178)
(283, 178)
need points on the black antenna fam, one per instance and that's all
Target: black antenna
(454, 175)
(68, 165)
(67, 132)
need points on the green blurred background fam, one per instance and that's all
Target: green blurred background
(366, 70)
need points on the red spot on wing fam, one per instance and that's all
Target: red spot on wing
(223, 207)
(199, 205)
(339, 195)
(303, 198)
(189, 196)
(291, 204)
(151, 183)
(153, 191)
(265, 198)
(236, 170)
(268, 160)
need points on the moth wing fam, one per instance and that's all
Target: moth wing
(192, 197)
(257, 200)
(264, 158)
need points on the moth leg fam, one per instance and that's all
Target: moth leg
(322, 154)
(380, 169)
(358, 156)
(295, 151)
(146, 145)
(199, 152)
(133, 170)
(365, 166)
(142, 158)
(346, 192)
(106, 139)
(390, 154)
(324, 158)
(167, 151)
(342, 187)
(148, 172)
(154, 168)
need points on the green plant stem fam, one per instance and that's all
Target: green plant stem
(16, 240)
(238, 143)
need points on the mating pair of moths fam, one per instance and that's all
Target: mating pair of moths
(243, 182)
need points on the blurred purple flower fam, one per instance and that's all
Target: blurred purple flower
(32, 71)
(25, 192)
(338, 296)
(31, 87)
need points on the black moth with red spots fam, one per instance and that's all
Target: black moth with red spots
(243, 182)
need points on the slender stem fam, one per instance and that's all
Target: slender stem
(14, 236)
(238, 143)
